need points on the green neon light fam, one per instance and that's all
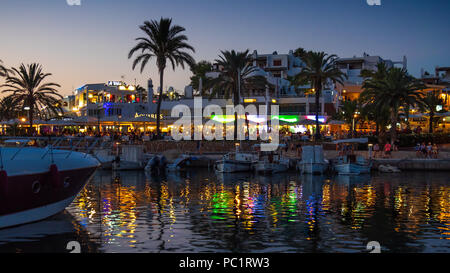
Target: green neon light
(286, 118)
(230, 118)
(222, 118)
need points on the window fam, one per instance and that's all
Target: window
(276, 62)
(355, 66)
(293, 108)
(277, 74)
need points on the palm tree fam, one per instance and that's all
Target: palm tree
(378, 115)
(27, 91)
(430, 102)
(233, 65)
(3, 70)
(301, 53)
(236, 76)
(8, 110)
(348, 114)
(396, 90)
(164, 42)
(199, 70)
(380, 72)
(320, 68)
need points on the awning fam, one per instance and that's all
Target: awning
(308, 122)
(335, 122)
(59, 122)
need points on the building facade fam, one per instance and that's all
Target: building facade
(352, 68)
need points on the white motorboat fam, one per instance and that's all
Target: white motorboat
(277, 165)
(349, 163)
(352, 164)
(36, 183)
(271, 161)
(313, 161)
(105, 157)
(131, 158)
(236, 162)
(186, 161)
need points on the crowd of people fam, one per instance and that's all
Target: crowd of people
(292, 141)
(427, 151)
(384, 151)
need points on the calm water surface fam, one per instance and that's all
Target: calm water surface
(201, 211)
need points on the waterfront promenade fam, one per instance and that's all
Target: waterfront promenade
(403, 159)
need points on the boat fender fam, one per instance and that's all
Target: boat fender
(55, 177)
(3, 183)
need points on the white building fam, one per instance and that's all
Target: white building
(353, 66)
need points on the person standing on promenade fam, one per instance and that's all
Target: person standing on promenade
(429, 150)
(299, 150)
(387, 150)
(417, 149)
(435, 151)
(423, 149)
(396, 145)
(376, 150)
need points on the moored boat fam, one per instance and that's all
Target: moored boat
(186, 161)
(313, 161)
(270, 162)
(36, 183)
(157, 163)
(349, 163)
(236, 162)
(131, 158)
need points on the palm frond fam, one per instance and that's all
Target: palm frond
(26, 88)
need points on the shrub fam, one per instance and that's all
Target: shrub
(410, 140)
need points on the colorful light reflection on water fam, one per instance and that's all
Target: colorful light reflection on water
(205, 212)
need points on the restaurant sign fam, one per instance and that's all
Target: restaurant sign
(153, 116)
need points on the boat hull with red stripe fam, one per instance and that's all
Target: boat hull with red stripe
(35, 190)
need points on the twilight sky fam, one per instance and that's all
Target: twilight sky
(90, 43)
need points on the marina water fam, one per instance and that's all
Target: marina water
(201, 211)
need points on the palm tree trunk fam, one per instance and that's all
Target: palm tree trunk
(382, 135)
(247, 123)
(30, 117)
(158, 108)
(318, 91)
(430, 129)
(235, 102)
(351, 127)
(393, 126)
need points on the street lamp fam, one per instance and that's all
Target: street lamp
(355, 115)
(26, 108)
